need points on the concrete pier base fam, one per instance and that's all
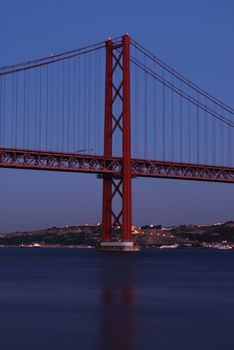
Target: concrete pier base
(127, 247)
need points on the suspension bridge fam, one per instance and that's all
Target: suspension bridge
(115, 110)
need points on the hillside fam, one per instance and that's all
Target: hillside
(184, 235)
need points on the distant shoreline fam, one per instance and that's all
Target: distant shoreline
(217, 236)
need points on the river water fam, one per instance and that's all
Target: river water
(80, 299)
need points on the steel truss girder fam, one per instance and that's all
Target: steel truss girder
(92, 164)
(182, 171)
(72, 162)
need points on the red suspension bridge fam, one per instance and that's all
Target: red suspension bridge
(113, 109)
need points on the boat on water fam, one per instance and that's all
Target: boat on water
(172, 246)
(223, 246)
(33, 245)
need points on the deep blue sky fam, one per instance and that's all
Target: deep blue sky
(194, 37)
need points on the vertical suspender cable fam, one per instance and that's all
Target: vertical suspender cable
(198, 130)
(206, 136)
(74, 126)
(145, 112)
(57, 106)
(51, 107)
(12, 110)
(35, 100)
(1, 104)
(135, 105)
(16, 110)
(1, 110)
(24, 106)
(230, 143)
(94, 92)
(63, 105)
(222, 148)
(89, 100)
(99, 138)
(155, 116)
(172, 121)
(4, 110)
(27, 112)
(164, 121)
(40, 108)
(68, 103)
(47, 105)
(79, 112)
(85, 102)
(181, 122)
(214, 138)
(189, 126)
(78, 98)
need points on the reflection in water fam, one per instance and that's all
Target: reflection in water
(117, 318)
(117, 309)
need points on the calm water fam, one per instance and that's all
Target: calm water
(80, 299)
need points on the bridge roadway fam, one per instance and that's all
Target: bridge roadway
(103, 166)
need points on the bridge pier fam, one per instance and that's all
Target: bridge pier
(117, 247)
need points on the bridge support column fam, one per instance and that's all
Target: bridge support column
(107, 181)
(117, 98)
(127, 184)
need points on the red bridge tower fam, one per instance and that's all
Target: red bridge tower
(117, 91)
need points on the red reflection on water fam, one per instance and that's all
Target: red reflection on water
(117, 319)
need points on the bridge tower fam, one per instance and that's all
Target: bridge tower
(117, 91)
